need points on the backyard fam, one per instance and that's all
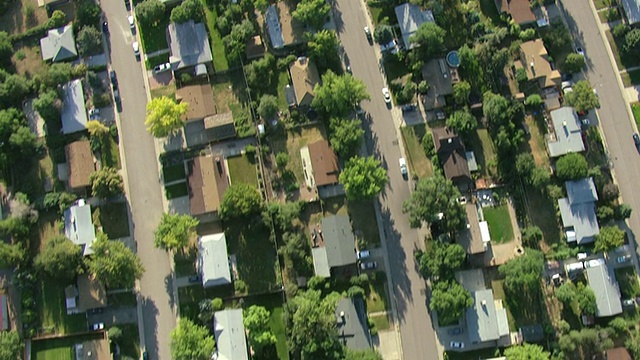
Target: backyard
(61, 348)
(628, 282)
(291, 142)
(242, 169)
(113, 218)
(220, 62)
(273, 303)
(230, 94)
(419, 163)
(482, 146)
(53, 312)
(28, 60)
(22, 15)
(499, 221)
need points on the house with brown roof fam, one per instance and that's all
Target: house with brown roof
(93, 349)
(534, 58)
(81, 165)
(324, 164)
(91, 293)
(305, 77)
(619, 353)
(282, 28)
(452, 156)
(520, 10)
(207, 181)
(200, 100)
(254, 48)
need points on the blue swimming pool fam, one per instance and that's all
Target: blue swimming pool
(452, 59)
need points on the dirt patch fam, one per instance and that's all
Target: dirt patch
(22, 15)
(28, 60)
(537, 142)
(292, 141)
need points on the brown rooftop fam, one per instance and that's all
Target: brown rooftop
(305, 77)
(91, 293)
(535, 60)
(292, 31)
(520, 10)
(207, 182)
(254, 47)
(324, 163)
(80, 160)
(94, 349)
(618, 353)
(200, 100)
(451, 153)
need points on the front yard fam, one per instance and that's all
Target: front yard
(153, 38)
(622, 60)
(113, 218)
(635, 108)
(630, 78)
(419, 163)
(499, 221)
(242, 169)
(628, 282)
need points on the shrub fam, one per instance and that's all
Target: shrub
(521, 75)
(620, 30)
(101, 100)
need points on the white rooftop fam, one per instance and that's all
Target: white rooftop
(78, 226)
(230, 337)
(213, 260)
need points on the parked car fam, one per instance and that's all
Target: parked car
(440, 115)
(575, 266)
(105, 27)
(368, 265)
(97, 326)
(623, 259)
(629, 302)
(403, 166)
(363, 254)
(136, 49)
(349, 69)
(455, 331)
(556, 279)
(162, 68)
(582, 256)
(132, 23)
(594, 263)
(194, 278)
(579, 50)
(367, 33)
(457, 345)
(636, 139)
(114, 80)
(386, 95)
(145, 355)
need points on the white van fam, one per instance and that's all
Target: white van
(575, 266)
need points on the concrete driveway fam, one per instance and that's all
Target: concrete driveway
(114, 316)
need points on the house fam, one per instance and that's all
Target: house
(578, 211)
(189, 45)
(567, 136)
(632, 11)
(283, 29)
(324, 164)
(91, 293)
(207, 181)
(410, 17)
(305, 77)
(80, 163)
(254, 48)
(93, 349)
(78, 226)
(229, 332)
(520, 10)
(602, 281)
(334, 246)
(59, 44)
(213, 260)
(199, 99)
(74, 111)
(452, 156)
(204, 124)
(533, 57)
(353, 326)
(4, 313)
(440, 78)
(618, 353)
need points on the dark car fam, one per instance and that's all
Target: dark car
(455, 331)
(636, 139)
(105, 27)
(194, 278)
(114, 80)
(145, 356)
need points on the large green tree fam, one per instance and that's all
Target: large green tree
(312, 13)
(6, 50)
(463, 122)
(106, 183)
(526, 352)
(324, 51)
(430, 37)
(174, 231)
(190, 341)
(10, 255)
(114, 264)
(164, 116)
(268, 106)
(582, 97)
(572, 166)
(449, 299)
(339, 95)
(524, 272)
(188, 10)
(236, 42)
(461, 92)
(586, 343)
(346, 136)
(48, 105)
(60, 259)
(434, 196)
(11, 346)
(256, 321)
(441, 259)
(89, 41)
(574, 63)
(150, 12)
(240, 201)
(363, 178)
(579, 297)
(609, 238)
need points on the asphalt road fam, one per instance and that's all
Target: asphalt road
(614, 117)
(144, 191)
(417, 334)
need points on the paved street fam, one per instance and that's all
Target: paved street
(417, 334)
(143, 191)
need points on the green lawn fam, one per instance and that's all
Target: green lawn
(628, 282)
(168, 91)
(499, 221)
(156, 60)
(283, 80)
(173, 173)
(377, 298)
(185, 262)
(630, 78)
(220, 62)
(498, 293)
(635, 107)
(113, 218)
(622, 60)
(482, 146)
(61, 348)
(382, 14)
(176, 190)
(123, 299)
(53, 312)
(153, 38)
(110, 152)
(365, 223)
(381, 322)
(609, 15)
(242, 169)
(273, 303)
(419, 163)
(601, 4)
(130, 342)
(395, 68)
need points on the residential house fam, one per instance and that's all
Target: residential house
(353, 326)
(567, 135)
(254, 48)
(631, 11)
(74, 111)
(578, 211)
(207, 181)
(452, 156)
(91, 293)
(602, 281)
(81, 165)
(59, 44)
(283, 29)
(533, 57)
(199, 99)
(305, 77)
(334, 247)
(320, 167)
(410, 17)
(520, 10)
(440, 78)
(229, 332)
(189, 45)
(93, 349)
(78, 226)
(618, 353)
(204, 124)
(213, 260)
(4, 313)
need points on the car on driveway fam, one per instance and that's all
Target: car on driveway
(594, 263)
(97, 326)
(363, 254)
(386, 95)
(194, 278)
(403, 167)
(162, 68)
(623, 259)
(136, 49)
(105, 27)
(457, 345)
(368, 265)
(408, 108)
(455, 331)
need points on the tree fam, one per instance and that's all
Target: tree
(240, 201)
(60, 259)
(268, 106)
(312, 13)
(115, 333)
(89, 41)
(346, 135)
(256, 321)
(164, 116)
(369, 354)
(106, 183)
(174, 231)
(524, 272)
(13, 90)
(48, 104)
(609, 238)
(87, 13)
(582, 97)
(6, 49)
(188, 10)
(383, 34)
(11, 346)
(531, 236)
(449, 299)
(339, 95)
(572, 166)
(324, 51)
(23, 143)
(190, 341)
(430, 38)
(433, 196)
(580, 298)
(114, 264)
(236, 42)
(622, 211)
(149, 12)
(285, 213)
(526, 352)
(534, 101)
(10, 255)
(441, 259)
(363, 178)
(463, 122)
(586, 343)
(525, 164)
(96, 128)
(461, 92)
(574, 63)
(631, 43)
(282, 159)
(260, 73)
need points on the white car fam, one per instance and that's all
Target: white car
(97, 326)
(162, 68)
(580, 51)
(132, 23)
(386, 95)
(594, 263)
(403, 167)
(363, 254)
(457, 345)
(136, 48)
(368, 265)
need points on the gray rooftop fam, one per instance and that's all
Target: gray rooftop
(567, 130)
(74, 112)
(486, 322)
(581, 191)
(632, 10)
(472, 280)
(229, 331)
(410, 17)
(353, 329)
(189, 43)
(605, 287)
(580, 221)
(78, 226)
(213, 261)
(339, 245)
(59, 44)
(273, 25)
